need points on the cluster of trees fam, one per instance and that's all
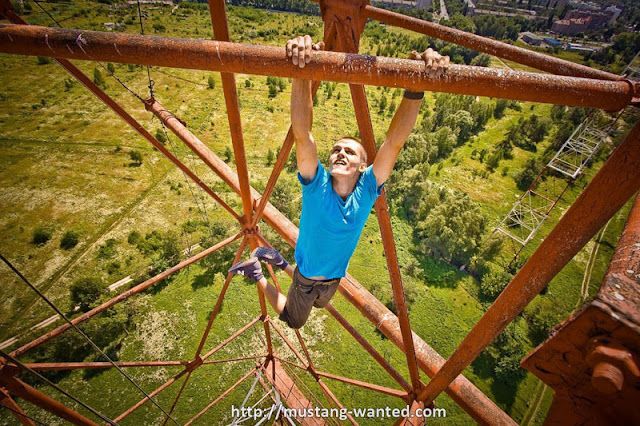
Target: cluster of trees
(162, 248)
(276, 85)
(524, 134)
(298, 6)
(448, 224)
(625, 47)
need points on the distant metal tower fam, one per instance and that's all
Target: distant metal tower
(531, 210)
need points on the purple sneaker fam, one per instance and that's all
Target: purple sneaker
(270, 255)
(249, 268)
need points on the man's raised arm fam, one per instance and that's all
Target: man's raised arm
(299, 50)
(405, 117)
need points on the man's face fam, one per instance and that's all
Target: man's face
(347, 158)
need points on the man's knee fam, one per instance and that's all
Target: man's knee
(292, 321)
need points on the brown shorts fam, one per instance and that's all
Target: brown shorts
(304, 294)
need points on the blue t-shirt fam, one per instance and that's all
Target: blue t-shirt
(329, 226)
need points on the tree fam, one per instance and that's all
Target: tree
(111, 68)
(160, 136)
(526, 177)
(98, 79)
(273, 91)
(41, 235)
(452, 228)
(44, 60)
(211, 82)
(494, 280)
(136, 157)
(85, 291)
(382, 106)
(501, 105)
(69, 240)
(482, 60)
(228, 155)
(270, 157)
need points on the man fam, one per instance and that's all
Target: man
(335, 204)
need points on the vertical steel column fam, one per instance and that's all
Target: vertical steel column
(613, 185)
(34, 396)
(363, 118)
(7, 401)
(221, 32)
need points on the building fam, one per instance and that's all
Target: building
(570, 26)
(531, 39)
(574, 47)
(552, 42)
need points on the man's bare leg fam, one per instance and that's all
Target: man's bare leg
(275, 298)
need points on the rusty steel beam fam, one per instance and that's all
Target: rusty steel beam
(242, 358)
(288, 342)
(341, 67)
(330, 394)
(591, 359)
(115, 107)
(225, 393)
(135, 290)
(273, 217)
(370, 386)
(293, 364)
(59, 366)
(500, 49)
(289, 391)
(175, 402)
(616, 181)
(348, 43)
(11, 405)
(22, 390)
(466, 395)
(221, 32)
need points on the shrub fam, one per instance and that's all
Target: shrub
(160, 136)
(69, 240)
(108, 249)
(43, 60)
(211, 82)
(136, 157)
(85, 291)
(41, 235)
(98, 79)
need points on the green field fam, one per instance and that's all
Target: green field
(66, 165)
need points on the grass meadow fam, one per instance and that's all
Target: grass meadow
(66, 164)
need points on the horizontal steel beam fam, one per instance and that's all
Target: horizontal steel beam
(500, 49)
(342, 67)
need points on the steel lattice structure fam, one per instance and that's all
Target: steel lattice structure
(569, 84)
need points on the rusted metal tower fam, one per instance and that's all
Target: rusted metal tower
(604, 337)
